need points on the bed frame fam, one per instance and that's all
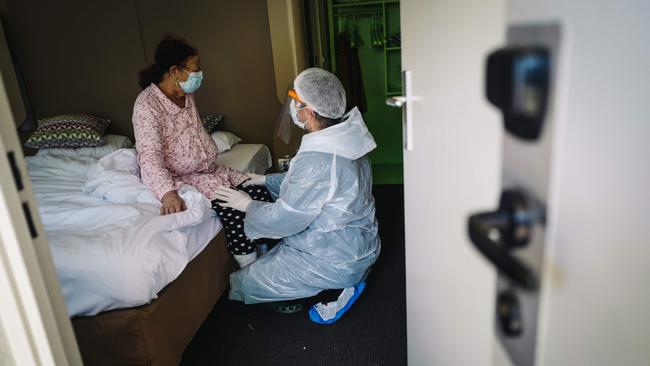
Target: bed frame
(157, 333)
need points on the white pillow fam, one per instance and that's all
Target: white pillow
(224, 140)
(113, 143)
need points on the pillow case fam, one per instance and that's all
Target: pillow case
(211, 121)
(224, 140)
(69, 131)
(113, 143)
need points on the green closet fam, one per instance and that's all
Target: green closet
(374, 29)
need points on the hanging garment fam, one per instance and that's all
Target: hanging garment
(325, 214)
(348, 70)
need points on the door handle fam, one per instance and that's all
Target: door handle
(496, 233)
(404, 102)
(396, 102)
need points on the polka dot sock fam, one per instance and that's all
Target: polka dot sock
(233, 222)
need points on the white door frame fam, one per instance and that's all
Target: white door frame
(35, 328)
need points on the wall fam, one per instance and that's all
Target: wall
(288, 42)
(235, 47)
(10, 81)
(75, 58)
(83, 57)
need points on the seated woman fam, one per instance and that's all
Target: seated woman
(173, 146)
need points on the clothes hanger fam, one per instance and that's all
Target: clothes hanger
(373, 30)
(382, 34)
(376, 30)
(353, 31)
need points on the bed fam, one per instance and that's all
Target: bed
(142, 301)
(158, 333)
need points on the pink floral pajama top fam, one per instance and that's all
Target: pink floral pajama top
(174, 148)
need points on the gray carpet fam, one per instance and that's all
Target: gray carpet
(373, 332)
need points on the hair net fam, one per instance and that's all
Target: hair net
(321, 91)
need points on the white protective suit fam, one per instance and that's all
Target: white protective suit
(325, 213)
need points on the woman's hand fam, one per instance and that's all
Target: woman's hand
(172, 203)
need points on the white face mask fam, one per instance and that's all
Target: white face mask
(294, 115)
(192, 83)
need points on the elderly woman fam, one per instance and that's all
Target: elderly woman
(173, 146)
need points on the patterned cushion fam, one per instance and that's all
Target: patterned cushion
(69, 131)
(211, 121)
(113, 143)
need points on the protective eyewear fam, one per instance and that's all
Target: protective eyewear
(292, 93)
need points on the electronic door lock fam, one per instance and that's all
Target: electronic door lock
(517, 82)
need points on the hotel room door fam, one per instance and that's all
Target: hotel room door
(589, 170)
(451, 168)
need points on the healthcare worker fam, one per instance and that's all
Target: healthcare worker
(324, 210)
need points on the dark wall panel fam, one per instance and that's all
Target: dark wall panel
(235, 46)
(79, 56)
(84, 56)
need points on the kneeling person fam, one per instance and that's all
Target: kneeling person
(324, 210)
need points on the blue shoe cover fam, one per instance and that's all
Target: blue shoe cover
(316, 317)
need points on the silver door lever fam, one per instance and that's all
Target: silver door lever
(396, 102)
(404, 102)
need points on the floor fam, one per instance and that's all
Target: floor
(373, 332)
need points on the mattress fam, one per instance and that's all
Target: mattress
(116, 251)
(247, 158)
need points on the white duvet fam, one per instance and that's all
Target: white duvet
(111, 247)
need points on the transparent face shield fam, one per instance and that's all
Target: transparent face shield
(284, 124)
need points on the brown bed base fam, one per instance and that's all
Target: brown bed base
(157, 333)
